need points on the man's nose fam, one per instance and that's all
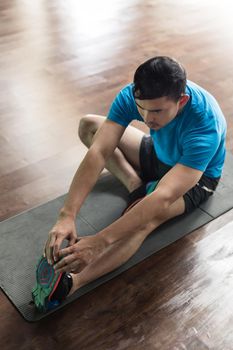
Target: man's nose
(149, 117)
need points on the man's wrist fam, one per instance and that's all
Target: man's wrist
(104, 238)
(66, 213)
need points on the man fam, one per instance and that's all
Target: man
(168, 173)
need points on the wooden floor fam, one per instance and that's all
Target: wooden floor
(60, 60)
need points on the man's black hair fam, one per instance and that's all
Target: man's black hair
(159, 76)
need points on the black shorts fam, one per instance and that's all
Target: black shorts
(153, 169)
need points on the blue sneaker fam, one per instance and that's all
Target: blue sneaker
(51, 288)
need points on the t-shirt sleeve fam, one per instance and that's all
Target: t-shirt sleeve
(199, 146)
(121, 110)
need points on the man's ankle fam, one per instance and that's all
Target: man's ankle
(76, 284)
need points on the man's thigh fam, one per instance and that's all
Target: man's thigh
(129, 143)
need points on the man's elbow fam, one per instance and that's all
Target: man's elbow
(96, 157)
(102, 152)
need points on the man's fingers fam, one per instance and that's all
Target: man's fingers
(73, 267)
(77, 266)
(56, 249)
(44, 250)
(51, 246)
(65, 251)
(65, 262)
(47, 249)
(73, 241)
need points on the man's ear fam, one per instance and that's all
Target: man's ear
(183, 100)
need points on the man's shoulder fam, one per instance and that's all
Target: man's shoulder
(127, 91)
(125, 98)
(202, 102)
(197, 93)
(123, 109)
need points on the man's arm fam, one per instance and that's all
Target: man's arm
(142, 217)
(137, 223)
(104, 143)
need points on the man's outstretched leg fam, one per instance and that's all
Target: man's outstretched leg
(118, 253)
(52, 288)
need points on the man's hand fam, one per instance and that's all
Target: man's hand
(63, 229)
(81, 254)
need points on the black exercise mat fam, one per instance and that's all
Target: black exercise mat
(22, 237)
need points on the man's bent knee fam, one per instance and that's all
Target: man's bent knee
(88, 126)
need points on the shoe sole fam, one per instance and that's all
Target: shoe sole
(47, 281)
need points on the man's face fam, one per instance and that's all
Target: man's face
(158, 112)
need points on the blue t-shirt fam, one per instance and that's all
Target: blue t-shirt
(195, 137)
